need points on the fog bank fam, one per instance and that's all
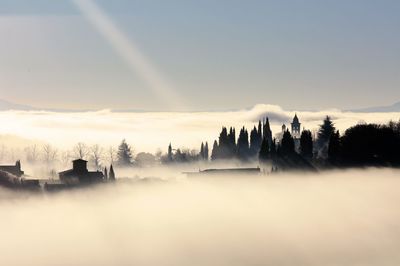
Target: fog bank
(334, 218)
(148, 131)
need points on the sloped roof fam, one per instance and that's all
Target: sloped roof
(79, 160)
(295, 119)
(70, 171)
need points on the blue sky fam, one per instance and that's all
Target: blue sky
(213, 54)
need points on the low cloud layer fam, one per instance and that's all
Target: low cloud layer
(346, 218)
(151, 130)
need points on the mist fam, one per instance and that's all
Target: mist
(149, 131)
(331, 218)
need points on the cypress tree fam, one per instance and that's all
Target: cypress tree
(267, 133)
(306, 144)
(112, 174)
(206, 151)
(334, 147)
(287, 145)
(224, 144)
(254, 142)
(215, 151)
(202, 151)
(264, 153)
(243, 144)
(105, 173)
(169, 153)
(272, 149)
(232, 143)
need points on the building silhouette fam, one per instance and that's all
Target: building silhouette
(13, 169)
(295, 132)
(80, 174)
(296, 127)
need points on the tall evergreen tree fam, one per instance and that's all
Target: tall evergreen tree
(105, 173)
(232, 143)
(306, 144)
(124, 154)
(278, 149)
(267, 133)
(111, 175)
(224, 144)
(334, 147)
(325, 131)
(215, 151)
(264, 153)
(324, 134)
(202, 151)
(287, 144)
(169, 156)
(206, 151)
(227, 144)
(255, 142)
(272, 149)
(223, 137)
(243, 145)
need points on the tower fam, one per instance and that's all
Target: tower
(79, 166)
(295, 126)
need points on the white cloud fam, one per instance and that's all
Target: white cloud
(147, 131)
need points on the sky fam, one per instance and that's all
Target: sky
(200, 55)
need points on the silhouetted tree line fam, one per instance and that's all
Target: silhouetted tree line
(184, 155)
(246, 147)
(366, 145)
(361, 145)
(204, 151)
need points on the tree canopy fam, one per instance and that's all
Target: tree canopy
(124, 154)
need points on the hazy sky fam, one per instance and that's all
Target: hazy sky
(210, 54)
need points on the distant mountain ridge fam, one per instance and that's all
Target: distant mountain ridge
(6, 105)
(380, 109)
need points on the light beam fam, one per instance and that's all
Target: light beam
(125, 47)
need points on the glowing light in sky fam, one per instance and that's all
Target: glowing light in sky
(128, 51)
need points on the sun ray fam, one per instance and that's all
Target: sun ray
(128, 51)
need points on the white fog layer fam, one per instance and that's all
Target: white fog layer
(336, 218)
(152, 130)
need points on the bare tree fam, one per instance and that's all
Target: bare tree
(32, 153)
(49, 154)
(112, 154)
(12, 154)
(96, 154)
(65, 158)
(81, 151)
(3, 152)
(158, 155)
